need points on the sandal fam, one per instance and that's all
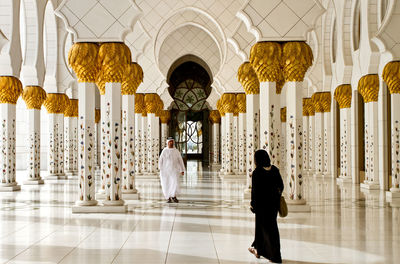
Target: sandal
(254, 252)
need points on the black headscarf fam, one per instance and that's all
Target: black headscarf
(262, 159)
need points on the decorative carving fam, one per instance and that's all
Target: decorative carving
(317, 102)
(56, 103)
(297, 58)
(229, 102)
(139, 103)
(72, 109)
(305, 107)
(283, 114)
(248, 78)
(368, 86)
(165, 116)
(34, 96)
(279, 85)
(265, 57)
(133, 78)
(310, 107)
(241, 102)
(82, 57)
(215, 117)
(10, 89)
(151, 100)
(343, 95)
(326, 101)
(220, 107)
(391, 75)
(113, 59)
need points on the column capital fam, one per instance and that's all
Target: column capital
(391, 76)
(72, 110)
(279, 85)
(10, 89)
(283, 114)
(34, 96)
(139, 103)
(82, 57)
(160, 107)
(309, 106)
(97, 115)
(248, 78)
(343, 95)
(305, 107)
(229, 102)
(326, 101)
(265, 57)
(241, 102)
(214, 117)
(368, 86)
(56, 103)
(133, 77)
(151, 100)
(165, 116)
(220, 107)
(321, 101)
(297, 58)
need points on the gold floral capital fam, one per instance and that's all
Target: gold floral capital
(214, 116)
(165, 116)
(34, 96)
(72, 109)
(139, 103)
(56, 103)
(343, 95)
(10, 89)
(265, 57)
(283, 114)
(279, 85)
(132, 79)
(229, 102)
(113, 59)
(317, 102)
(305, 107)
(297, 58)
(391, 75)
(151, 102)
(82, 57)
(248, 78)
(220, 107)
(310, 107)
(368, 86)
(241, 102)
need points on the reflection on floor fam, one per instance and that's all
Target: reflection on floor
(211, 224)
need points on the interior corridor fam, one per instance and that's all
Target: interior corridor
(211, 224)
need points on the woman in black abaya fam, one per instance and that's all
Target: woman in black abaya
(267, 187)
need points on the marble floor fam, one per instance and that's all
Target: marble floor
(211, 224)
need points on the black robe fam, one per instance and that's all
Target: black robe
(265, 198)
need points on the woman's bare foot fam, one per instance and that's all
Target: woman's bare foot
(254, 252)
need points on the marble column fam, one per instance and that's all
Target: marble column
(235, 138)
(215, 119)
(328, 134)
(368, 87)
(55, 104)
(241, 103)
(297, 57)
(139, 107)
(391, 77)
(311, 137)
(249, 80)
(283, 169)
(151, 100)
(97, 134)
(343, 97)
(319, 133)
(165, 117)
(70, 136)
(11, 89)
(305, 135)
(229, 104)
(221, 111)
(104, 138)
(34, 97)
(144, 137)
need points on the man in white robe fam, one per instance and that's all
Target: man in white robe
(171, 167)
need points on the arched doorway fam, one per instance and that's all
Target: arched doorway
(189, 85)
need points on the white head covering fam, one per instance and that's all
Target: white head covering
(169, 139)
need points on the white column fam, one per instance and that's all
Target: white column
(252, 129)
(60, 147)
(269, 115)
(157, 143)
(235, 139)
(152, 147)
(216, 138)
(7, 146)
(104, 139)
(328, 148)
(305, 142)
(395, 119)
(283, 169)
(355, 169)
(69, 141)
(229, 160)
(242, 143)
(223, 143)
(333, 163)
(345, 140)
(164, 135)
(319, 143)
(86, 170)
(52, 161)
(113, 118)
(371, 146)
(311, 146)
(295, 142)
(138, 143)
(128, 143)
(145, 144)
(96, 145)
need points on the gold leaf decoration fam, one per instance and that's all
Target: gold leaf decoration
(214, 116)
(10, 89)
(248, 78)
(72, 109)
(165, 116)
(343, 95)
(265, 57)
(229, 102)
(317, 102)
(368, 86)
(297, 58)
(34, 96)
(113, 58)
(139, 103)
(391, 75)
(241, 102)
(220, 107)
(151, 102)
(132, 79)
(82, 57)
(56, 103)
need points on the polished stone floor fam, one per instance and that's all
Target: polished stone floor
(211, 224)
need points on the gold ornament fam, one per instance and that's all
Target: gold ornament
(279, 85)
(34, 97)
(214, 116)
(151, 100)
(10, 89)
(305, 107)
(160, 107)
(310, 107)
(326, 101)
(368, 86)
(265, 57)
(317, 102)
(56, 103)
(241, 102)
(97, 115)
(101, 83)
(72, 109)
(165, 116)
(113, 58)
(220, 107)
(343, 95)
(283, 115)
(391, 75)
(248, 78)
(297, 58)
(139, 103)
(133, 78)
(229, 102)
(82, 57)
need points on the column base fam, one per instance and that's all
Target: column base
(76, 209)
(33, 182)
(342, 180)
(53, 177)
(369, 186)
(100, 195)
(148, 176)
(71, 173)
(298, 206)
(130, 194)
(394, 193)
(10, 187)
(113, 203)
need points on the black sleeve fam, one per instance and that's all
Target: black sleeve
(279, 181)
(253, 190)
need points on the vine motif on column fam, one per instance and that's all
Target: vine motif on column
(300, 157)
(305, 147)
(371, 151)
(310, 146)
(325, 148)
(81, 158)
(395, 155)
(125, 154)
(60, 149)
(345, 164)
(366, 146)
(90, 156)
(116, 158)
(108, 147)
(104, 143)
(4, 142)
(292, 158)
(132, 155)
